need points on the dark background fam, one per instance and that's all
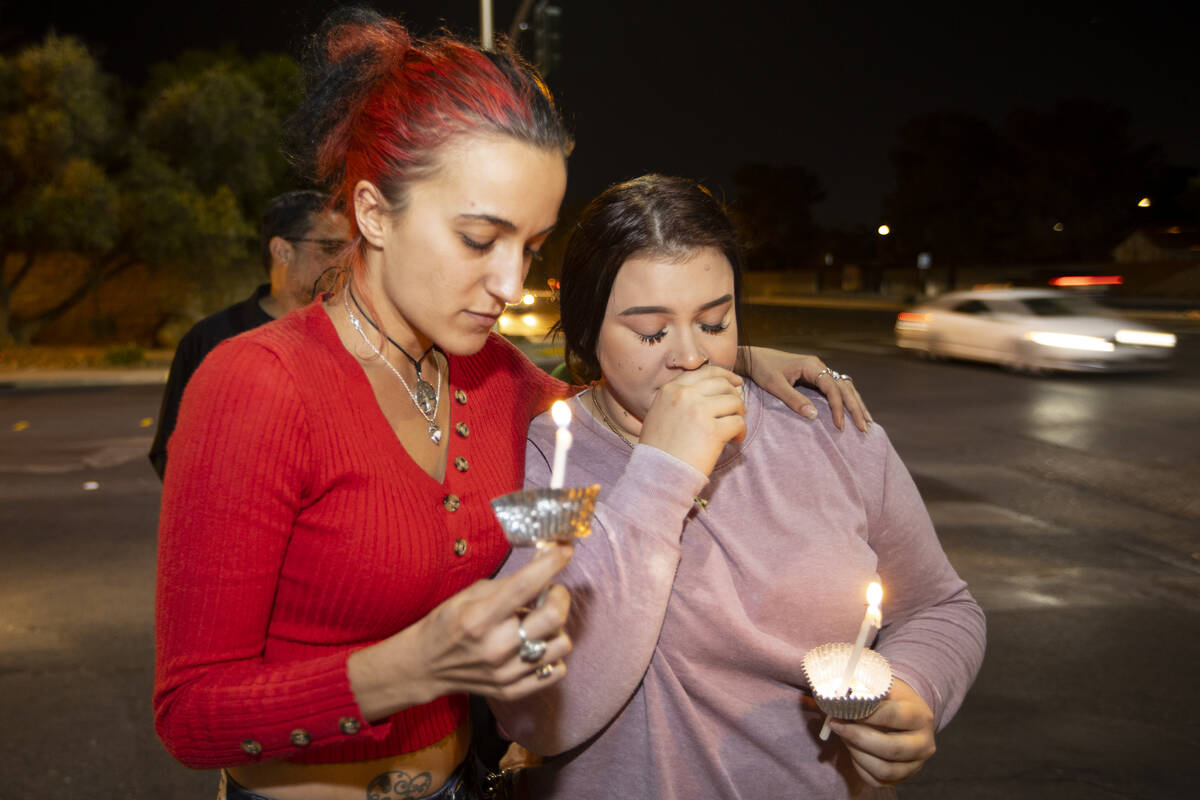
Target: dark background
(699, 87)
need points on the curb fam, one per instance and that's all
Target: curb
(21, 379)
(858, 303)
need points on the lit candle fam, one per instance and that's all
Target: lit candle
(562, 442)
(873, 618)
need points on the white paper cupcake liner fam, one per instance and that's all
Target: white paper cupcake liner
(823, 667)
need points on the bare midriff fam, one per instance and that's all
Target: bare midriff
(416, 774)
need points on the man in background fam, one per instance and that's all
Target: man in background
(299, 239)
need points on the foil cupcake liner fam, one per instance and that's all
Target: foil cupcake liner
(823, 667)
(532, 516)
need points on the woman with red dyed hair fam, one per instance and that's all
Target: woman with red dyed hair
(324, 604)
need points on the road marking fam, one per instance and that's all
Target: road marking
(959, 514)
(95, 454)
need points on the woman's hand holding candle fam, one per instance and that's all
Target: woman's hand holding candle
(895, 741)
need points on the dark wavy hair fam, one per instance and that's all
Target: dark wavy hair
(651, 215)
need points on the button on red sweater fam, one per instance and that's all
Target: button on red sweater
(295, 529)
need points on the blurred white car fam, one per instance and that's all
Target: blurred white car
(1032, 330)
(531, 318)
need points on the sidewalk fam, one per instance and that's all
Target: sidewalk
(863, 303)
(36, 379)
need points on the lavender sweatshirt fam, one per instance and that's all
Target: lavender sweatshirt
(689, 626)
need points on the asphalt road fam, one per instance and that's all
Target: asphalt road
(1068, 503)
(1070, 506)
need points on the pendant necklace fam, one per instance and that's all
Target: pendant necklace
(426, 397)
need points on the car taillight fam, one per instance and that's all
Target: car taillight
(911, 321)
(1087, 280)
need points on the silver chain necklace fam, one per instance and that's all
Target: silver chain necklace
(598, 402)
(422, 403)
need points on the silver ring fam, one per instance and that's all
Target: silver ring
(846, 377)
(544, 671)
(837, 376)
(531, 650)
(826, 371)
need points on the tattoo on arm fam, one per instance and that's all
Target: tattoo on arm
(396, 785)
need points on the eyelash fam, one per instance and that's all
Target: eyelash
(655, 338)
(483, 247)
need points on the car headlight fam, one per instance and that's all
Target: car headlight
(529, 319)
(1152, 338)
(505, 321)
(1071, 341)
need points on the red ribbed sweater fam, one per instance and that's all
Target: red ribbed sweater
(295, 529)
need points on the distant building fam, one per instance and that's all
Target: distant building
(1159, 246)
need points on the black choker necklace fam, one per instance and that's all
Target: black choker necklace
(424, 394)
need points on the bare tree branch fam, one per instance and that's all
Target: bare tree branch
(22, 271)
(104, 269)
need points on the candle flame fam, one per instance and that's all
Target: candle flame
(561, 413)
(874, 594)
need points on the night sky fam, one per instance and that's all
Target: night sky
(696, 87)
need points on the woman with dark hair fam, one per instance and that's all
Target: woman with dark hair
(323, 603)
(729, 539)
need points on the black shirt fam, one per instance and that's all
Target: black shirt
(193, 347)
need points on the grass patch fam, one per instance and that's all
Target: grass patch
(125, 355)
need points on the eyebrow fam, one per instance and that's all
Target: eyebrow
(636, 310)
(501, 222)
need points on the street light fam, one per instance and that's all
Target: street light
(1144, 202)
(884, 230)
(486, 37)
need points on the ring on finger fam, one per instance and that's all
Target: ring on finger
(845, 377)
(837, 376)
(544, 670)
(826, 371)
(531, 650)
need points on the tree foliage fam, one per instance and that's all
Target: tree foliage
(1048, 184)
(176, 183)
(218, 123)
(774, 212)
(950, 175)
